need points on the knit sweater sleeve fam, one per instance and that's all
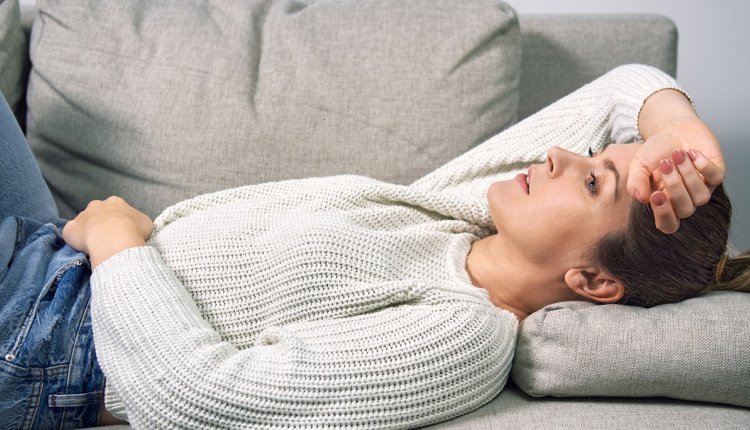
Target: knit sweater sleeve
(401, 366)
(601, 112)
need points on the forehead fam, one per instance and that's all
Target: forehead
(621, 154)
(624, 152)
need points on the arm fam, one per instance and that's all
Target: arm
(627, 104)
(403, 366)
(603, 111)
(408, 364)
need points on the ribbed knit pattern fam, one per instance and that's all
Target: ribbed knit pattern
(338, 302)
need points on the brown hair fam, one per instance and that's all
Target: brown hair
(658, 268)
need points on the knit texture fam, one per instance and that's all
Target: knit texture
(336, 302)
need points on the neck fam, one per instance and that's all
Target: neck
(512, 282)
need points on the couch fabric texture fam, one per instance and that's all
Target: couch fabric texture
(242, 86)
(161, 101)
(13, 56)
(695, 350)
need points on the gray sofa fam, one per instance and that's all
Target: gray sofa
(155, 110)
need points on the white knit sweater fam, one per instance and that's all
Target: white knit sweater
(337, 302)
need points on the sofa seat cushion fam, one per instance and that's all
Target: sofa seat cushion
(513, 409)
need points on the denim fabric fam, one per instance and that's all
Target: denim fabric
(49, 374)
(23, 191)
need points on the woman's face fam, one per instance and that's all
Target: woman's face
(571, 202)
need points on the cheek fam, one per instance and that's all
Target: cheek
(561, 221)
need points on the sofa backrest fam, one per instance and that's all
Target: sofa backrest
(563, 52)
(139, 105)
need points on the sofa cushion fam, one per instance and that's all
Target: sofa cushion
(513, 409)
(697, 349)
(160, 101)
(13, 57)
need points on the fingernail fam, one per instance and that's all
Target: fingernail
(693, 154)
(678, 156)
(658, 199)
(665, 166)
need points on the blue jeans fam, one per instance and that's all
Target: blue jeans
(49, 374)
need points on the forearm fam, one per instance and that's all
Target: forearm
(601, 112)
(171, 368)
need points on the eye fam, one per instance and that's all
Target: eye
(591, 183)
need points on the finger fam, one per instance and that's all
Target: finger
(665, 218)
(68, 228)
(645, 162)
(694, 184)
(679, 198)
(712, 173)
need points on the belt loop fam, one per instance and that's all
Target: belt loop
(73, 400)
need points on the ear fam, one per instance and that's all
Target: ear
(594, 284)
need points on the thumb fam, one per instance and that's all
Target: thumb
(639, 181)
(72, 235)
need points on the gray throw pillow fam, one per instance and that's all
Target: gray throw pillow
(13, 54)
(697, 349)
(158, 101)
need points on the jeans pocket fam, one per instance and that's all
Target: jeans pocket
(44, 318)
(21, 394)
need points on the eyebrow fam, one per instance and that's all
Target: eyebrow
(609, 165)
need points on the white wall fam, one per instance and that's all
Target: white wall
(713, 64)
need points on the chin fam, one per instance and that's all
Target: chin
(501, 190)
(501, 196)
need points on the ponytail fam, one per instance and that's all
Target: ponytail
(732, 274)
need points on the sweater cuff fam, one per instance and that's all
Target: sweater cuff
(135, 283)
(114, 405)
(124, 257)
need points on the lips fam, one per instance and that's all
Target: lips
(521, 181)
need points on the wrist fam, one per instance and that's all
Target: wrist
(106, 249)
(103, 243)
(665, 109)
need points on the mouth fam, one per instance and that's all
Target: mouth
(522, 180)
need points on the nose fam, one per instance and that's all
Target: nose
(559, 160)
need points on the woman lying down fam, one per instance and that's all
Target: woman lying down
(349, 302)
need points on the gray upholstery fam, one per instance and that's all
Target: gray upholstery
(158, 102)
(689, 350)
(561, 52)
(512, 409)
(125, 116)
(13, 57)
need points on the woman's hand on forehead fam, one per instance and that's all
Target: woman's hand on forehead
(680, 162)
